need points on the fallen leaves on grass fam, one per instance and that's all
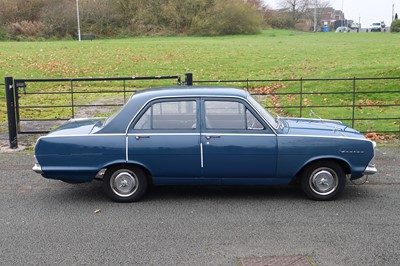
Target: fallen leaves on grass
(380, 137)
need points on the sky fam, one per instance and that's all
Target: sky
(367, 11)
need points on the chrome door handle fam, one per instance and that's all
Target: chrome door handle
(141, 137)
(212, 136)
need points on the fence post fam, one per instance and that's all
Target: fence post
(354, 102)
(301, 97)
(12, 122)
(72, 99)
(189, 79)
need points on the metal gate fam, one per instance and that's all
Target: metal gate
(66, 95)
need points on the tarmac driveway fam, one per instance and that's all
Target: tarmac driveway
(53, 223)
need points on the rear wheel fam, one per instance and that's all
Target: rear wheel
(125, 183)
(323, 180)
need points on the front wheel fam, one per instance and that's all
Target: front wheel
(125, 183)
(323, 180)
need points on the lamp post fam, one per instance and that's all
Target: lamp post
(77, 15)
(343, 15)
(315, 16)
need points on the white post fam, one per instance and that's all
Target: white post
(315, 16)
(77, 15)
(393, 12)
(342, 23)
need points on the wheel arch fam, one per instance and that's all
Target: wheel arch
(342, 163)
(126, 164)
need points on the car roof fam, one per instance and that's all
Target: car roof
(190, 91)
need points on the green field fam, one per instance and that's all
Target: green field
(271, 55)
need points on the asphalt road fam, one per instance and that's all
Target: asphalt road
(45, 222)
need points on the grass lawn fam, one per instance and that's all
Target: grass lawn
(271, 55)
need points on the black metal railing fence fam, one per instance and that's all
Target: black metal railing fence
(365, 103)
(384, 100)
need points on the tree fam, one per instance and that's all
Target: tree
(227, 17)
(296, 9)
(395, 26)
(59, 17)
(319, 7)
(98, 16)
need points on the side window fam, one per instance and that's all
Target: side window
(230, 115)
(252, 122)
(169, 115)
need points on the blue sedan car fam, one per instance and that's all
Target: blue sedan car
(203, 136)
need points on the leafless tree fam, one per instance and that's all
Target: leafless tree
(296, 9)
(317, 10)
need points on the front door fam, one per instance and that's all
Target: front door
(235, 142)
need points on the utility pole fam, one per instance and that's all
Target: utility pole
(77, 15)
(315, 15)
(342, 23)
(393, 12)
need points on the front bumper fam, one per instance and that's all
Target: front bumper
(37, 168)
(370, 170)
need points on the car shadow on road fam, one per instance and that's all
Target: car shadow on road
(173, 193)
(93, 192)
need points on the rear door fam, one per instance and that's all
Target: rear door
(165, 138)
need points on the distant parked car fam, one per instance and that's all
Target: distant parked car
(342, 29)
(378, 26)
(355, 26)
(203, 136)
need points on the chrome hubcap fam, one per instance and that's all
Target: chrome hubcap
(124, 183)
(323, 181)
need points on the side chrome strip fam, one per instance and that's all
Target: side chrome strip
(321, 136)
(82, 135)
(126, 149)
(201, 156)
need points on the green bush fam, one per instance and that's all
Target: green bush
(30, 29)
(3, 33)
(282, 22)
(227, 17)
(395, 27)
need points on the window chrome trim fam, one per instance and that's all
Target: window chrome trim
(162, 134)
(260, 115)
(199, 97)
(201, 134)
(237, 134)
(181, 97)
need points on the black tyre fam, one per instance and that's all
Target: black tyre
(323, 180)
(125, 183)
